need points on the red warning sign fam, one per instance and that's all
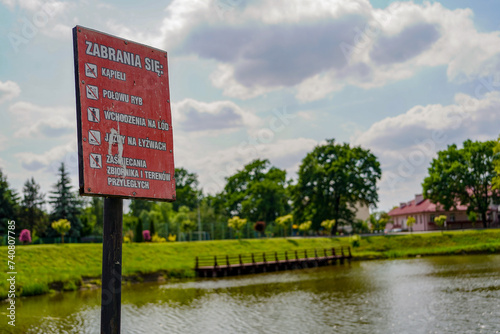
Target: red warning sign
(125, 141)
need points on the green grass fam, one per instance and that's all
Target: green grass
(41, 268)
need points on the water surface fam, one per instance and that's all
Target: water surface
(453, 294)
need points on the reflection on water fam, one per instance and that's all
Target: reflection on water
(459, 294)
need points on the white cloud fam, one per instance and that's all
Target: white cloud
(50, 121)
(50, 159)
(50, 7)
(406, 144)
(319, 47)
(214, 165)
(194, 116)
(8, 90)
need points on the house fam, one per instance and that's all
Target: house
(424, 212)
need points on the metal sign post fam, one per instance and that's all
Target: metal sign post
(111, 266)
(125, 141)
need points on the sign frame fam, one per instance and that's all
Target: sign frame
(132, 101)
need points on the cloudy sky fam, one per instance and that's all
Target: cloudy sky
(265, 79)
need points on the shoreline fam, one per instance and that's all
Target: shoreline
(77, 266)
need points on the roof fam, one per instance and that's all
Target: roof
(424, 206)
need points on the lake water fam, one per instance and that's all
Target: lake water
(453, 294)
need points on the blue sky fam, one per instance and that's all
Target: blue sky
(265, 79)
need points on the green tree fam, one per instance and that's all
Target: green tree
(284, 222)
(8, 203)
(138, 205)
(237, 224)
(440, 221)
(92, 216)
(410, 222)
(65, 203)
(305, 226)
(31, 207)
(331, 180)
(328, 225)
(378, 220)
(186, 188)
(463, 176)
(472, 216)
(257, 192)
(138, 231)
(62, 226)
(184, 221)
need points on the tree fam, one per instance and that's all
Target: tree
(65, 203)
(305, 226)
(463, 176)
(8, 203)
(237, 224)
(186, 188)
(332, 179)
(410, 222)
(184, 221)
(257, 192)
(472, 216)
(284, 222)
(138, 205)
(62, 226)
(31, 207)
(378, 220)
(92, 217)
(328, 225)
(138, 231)
(260, 227)
(440, 221)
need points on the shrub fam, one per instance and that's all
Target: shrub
(355, 241)
(260, 227)
(328, 225)
(237, 224)
(146, 235)
(157, 238)
(304, 227)
(172, 237)
(284, 222)
(62, 226)
(25, 236)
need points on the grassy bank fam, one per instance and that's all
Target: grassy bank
(41, 268)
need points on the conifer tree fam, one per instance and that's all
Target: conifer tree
(32, 203)
(8, 203)
(65, 203)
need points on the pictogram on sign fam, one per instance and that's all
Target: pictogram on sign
(91, 70)
(92, 92)
(95, 160)
(93, 115)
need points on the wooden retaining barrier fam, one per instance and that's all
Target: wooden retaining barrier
(253, 263)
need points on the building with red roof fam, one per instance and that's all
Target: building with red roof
(425, 211)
